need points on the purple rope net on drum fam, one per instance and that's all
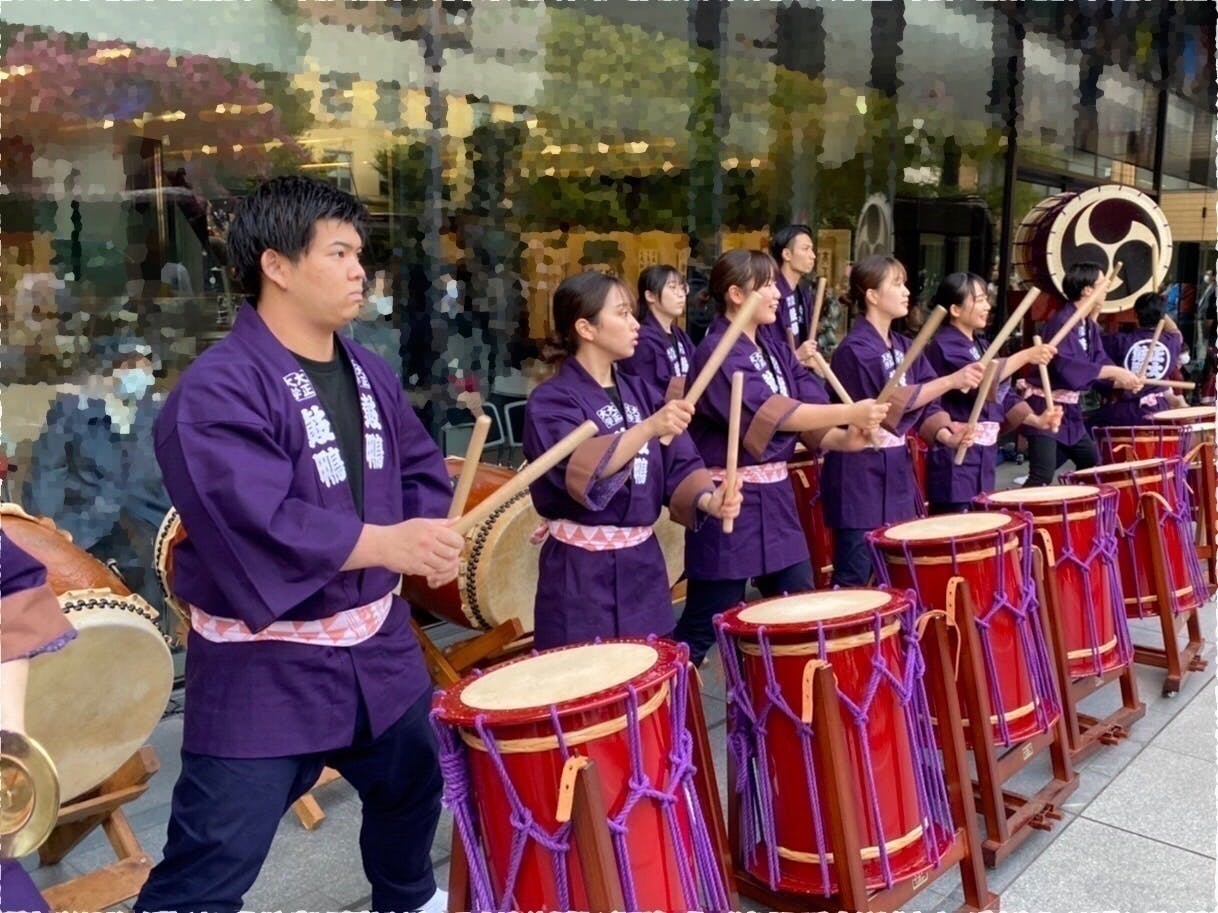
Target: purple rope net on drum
(700, 879)
(1103, 549)
(1013, 598)
(756, 781)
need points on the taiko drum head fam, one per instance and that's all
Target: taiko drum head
(1119, 469)
(949, 526)
(572, 679)
(1048, 494)
(1187, 415)
(804, 612)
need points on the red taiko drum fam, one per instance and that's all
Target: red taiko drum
(1076, 528)
(917, 456)
(508, 734)
(992, 552)
(1121, 443)
(805, 470)
(770, 649)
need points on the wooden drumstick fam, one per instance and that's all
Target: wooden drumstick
(1045, 383)
(983, 393)
(743, 316)
(816, 307)
(1154, 342)
(911, 355)
(469, 469)
(1084, 308)
(523, 479)
(733, 441)
(827, 373)
(1009, 327)
(1170, 384)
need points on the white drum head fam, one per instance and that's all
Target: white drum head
(671, 536)
(1044, 495)
(1109, 468)
(559, 676)
(1187, 414)
(498, 579)
(94, 703)
(811, 607)
(948, 526)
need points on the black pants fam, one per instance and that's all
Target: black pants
(704, 599)
(226, 810)
(851, 558)
(1046, 455)
(950, 507)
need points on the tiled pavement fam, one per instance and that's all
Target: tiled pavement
(1138, 834)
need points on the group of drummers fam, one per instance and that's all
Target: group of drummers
(308, 486)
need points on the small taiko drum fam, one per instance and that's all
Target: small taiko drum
(94, 703)
(992, 552)
(169, 536)
(510, 739)
(806, 470)
(1120, 443)
(1075, 526)
(1197, 426)
(770, 649)
(1164, 482)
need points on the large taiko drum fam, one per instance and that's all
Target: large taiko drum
(866, 635)
(1075, 526)
(1124, 443)
(806, 469)
(1164, 481)
(992, 552)
(1105, 224)
(94, 703)
(508, 734)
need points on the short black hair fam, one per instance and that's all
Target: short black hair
(785, 237)
(1149, 309)
(1078, 277)
(281, 215)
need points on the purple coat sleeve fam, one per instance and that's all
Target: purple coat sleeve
(242, 499)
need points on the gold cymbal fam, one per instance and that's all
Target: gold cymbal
(29, 795)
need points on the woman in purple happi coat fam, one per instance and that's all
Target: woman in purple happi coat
(1080, 364)
(32, 623)
(602, 573)
(1130, 350)
(664, 352)
(871, 488)
(306, 485)
(781, 403)
(958, 343)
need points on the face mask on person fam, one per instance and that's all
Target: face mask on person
(382, 303)
(133, 383)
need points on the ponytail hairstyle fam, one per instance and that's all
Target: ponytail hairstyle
(578, 297)
(956, 289)
(869, 273)
(748, 270)
(653, 279)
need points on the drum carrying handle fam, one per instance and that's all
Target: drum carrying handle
(1119, 448)
(953, 586)
(810, 668)
(1192, 454)
(566, 786)
(1046, 544)
(1154, 495)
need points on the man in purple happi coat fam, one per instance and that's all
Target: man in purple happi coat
(306, 485)
(1130, 350)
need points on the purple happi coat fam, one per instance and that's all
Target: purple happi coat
(794, 311)
(662, 359)
(1129, 350)
(767, 536)
(948, 352)
(32, 623)
(584, 594)
(1074, 369)
(250, 461)
(870, 488)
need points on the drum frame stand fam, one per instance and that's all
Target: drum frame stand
(1178, 662)
(590, 826)
(844, 829)
(1207, 510)
(1085, 733)
(1009, 817)
(101, 806)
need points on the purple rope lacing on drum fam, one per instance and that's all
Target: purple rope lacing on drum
(1103, 550)
(748, 731)
(457, 799)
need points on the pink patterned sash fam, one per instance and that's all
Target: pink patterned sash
(592, 538)
(885, 440)
(1067, 397)
(762, 474)
(343, 629)
(987, 434)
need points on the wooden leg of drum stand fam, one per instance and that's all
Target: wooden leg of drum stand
(1009, 817)
(1085, 734)
(112, 884)
(590, 833)
(1178, 662)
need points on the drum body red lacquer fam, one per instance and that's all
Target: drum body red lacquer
(989, 551)
(806, 470)
(1079, 525)
(769, 649)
